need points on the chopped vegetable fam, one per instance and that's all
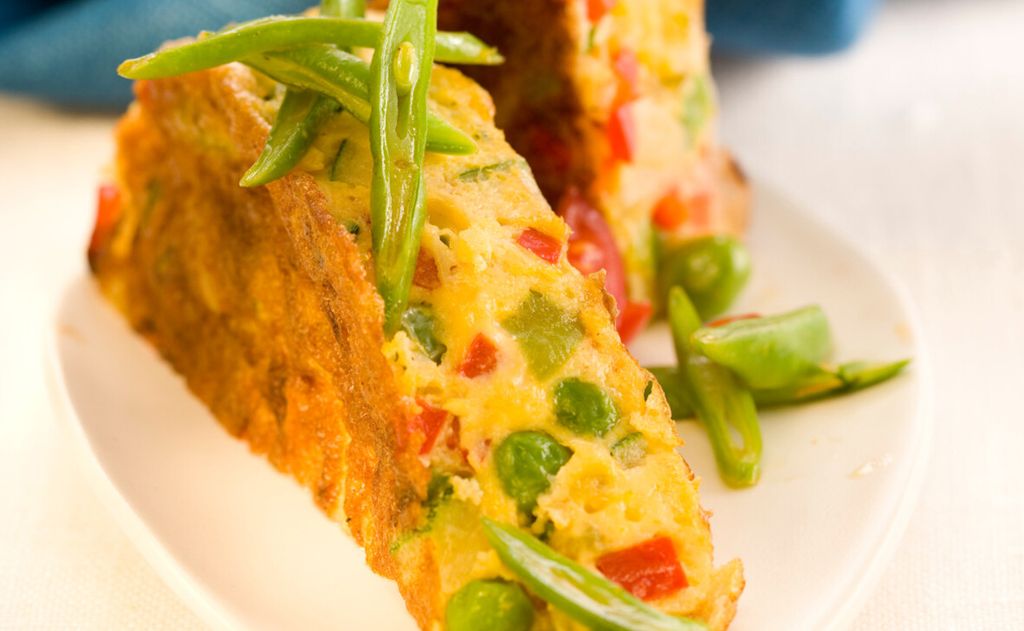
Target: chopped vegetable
(493, 604)
(428, 423)
(479, 174)
(698, 106)
(648, 570)
(592, 246)
(769, 352)
(583, 595)
(670, 212)
(108, 212)
(584, 407)
(526, 462)
(712, 270)
(631, 449)
(546, 334)
(621, 134)
(419, 323)
(633, 319)
(283, 32)
(399, 81)
(725, 407)
(596, 9)
(544, 246)
(627, 71)
(481, 357)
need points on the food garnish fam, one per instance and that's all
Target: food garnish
(582, 594)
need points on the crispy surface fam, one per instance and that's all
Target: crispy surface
(261, 302)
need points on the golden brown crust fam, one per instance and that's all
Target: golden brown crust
(259, 299)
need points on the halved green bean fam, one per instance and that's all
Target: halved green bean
(282, 32)
(399, 82)
(847, 378)
(298, 119)
(770, 351)
(346, 79)
(583, 595)
(723, 405)
(294, 129)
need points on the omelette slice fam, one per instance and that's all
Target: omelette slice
(612, 104)
(507, 394)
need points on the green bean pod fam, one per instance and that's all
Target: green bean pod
(723, 405)
(278, 33)
(711, 269)
(583, 595)
(771, 351)
(399, 82)
(298, 119)
(346, 79)
(846, 379)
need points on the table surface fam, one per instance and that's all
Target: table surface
(912, 144)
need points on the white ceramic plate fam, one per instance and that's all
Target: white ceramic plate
(247, 549)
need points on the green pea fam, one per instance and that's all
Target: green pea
(526, 461)
(712, 270)
(630, 450)
(419, 323)
(584, 407)
(494, 604)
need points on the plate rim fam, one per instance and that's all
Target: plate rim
(196, 595)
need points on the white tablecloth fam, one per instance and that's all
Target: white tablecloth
(913, 144)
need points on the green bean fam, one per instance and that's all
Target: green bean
(546, 334)
(298, 119)
(723, 405)
(584, 407)
(346, 79)
(771, 351)
(495, 605)
(283, 32)
(846, 379)
(399, 81)
(712, 269)
(293, 131)
(526, 462)
(583, 595)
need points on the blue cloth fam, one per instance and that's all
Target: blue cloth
(808, 27)
(67, 51)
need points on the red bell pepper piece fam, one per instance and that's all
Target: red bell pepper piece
(544, 246)
(597, 8)
(627, 69)
(428, 423)
(481, 357)
(108, 211)
(647, 570)
(591, 245)
(633, 319)
(672, 210)
(621, 133)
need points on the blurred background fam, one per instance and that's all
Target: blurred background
(65, 50)
(898, 122)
